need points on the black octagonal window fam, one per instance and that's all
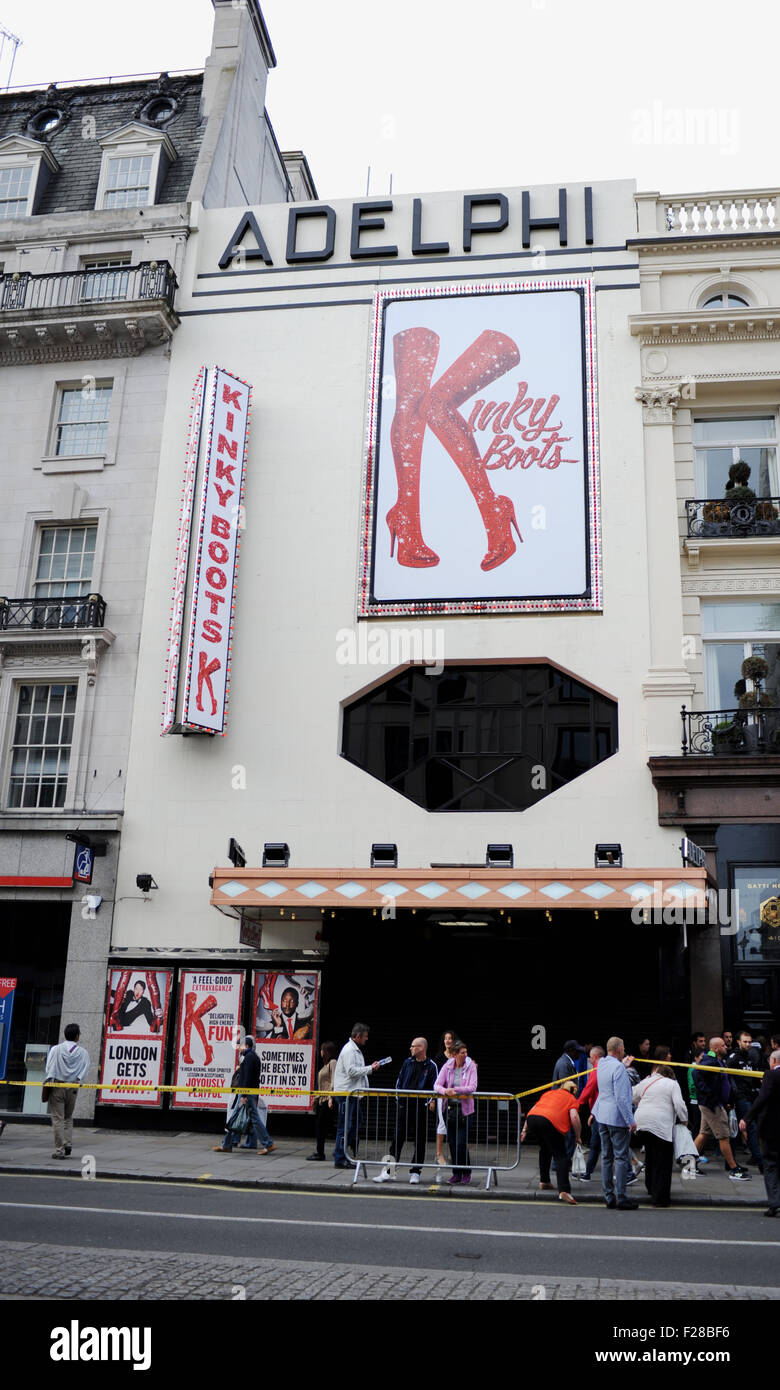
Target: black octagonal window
(480, 738)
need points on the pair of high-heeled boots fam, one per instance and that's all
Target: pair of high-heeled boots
(419, 405)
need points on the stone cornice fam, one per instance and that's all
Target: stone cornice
(699, 326)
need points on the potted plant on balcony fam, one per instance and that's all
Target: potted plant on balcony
(752, 702)
(738, 494)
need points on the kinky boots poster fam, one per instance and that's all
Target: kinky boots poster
(481, 480)
(134, 1037)
(207, 1036)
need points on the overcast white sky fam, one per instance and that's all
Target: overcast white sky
(680, 95)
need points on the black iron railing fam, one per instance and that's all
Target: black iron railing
(37, 614)
(89, 289)
(727, 732)
(716, 516)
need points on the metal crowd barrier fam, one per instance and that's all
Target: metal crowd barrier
(396, 1131)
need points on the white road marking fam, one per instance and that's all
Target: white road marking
(378, 1226)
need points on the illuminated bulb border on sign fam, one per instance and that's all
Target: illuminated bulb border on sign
(214, 483)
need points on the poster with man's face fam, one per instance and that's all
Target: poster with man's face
(134, 1037)
(481, 477)
(285, 1011)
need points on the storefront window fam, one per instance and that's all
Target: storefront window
(758, 887)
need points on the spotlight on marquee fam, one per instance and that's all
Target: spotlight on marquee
(276, 856)
(608, 857)
(384, 856)
(500, 857)
(236, 855)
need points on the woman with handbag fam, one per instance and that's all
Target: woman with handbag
(323, 1105)
(659, 1104)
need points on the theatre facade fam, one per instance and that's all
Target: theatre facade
(413, 628)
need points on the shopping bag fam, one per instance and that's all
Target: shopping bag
(733, 1124)
(240, 1121)
(683, 1142)
(579, 1160)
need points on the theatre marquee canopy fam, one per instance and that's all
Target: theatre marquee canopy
(249, 892)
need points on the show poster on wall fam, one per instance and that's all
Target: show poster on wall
(286, 1008)
(134, 1036)
(481, 480)
(207, 1035)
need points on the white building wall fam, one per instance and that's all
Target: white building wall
(277, 774)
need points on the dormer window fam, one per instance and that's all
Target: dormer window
(25, 166)
(135, 161)
(128, 182)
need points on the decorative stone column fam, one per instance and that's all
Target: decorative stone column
(667, 684)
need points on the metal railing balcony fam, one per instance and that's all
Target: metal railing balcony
(731, 732)
(709, 517)
(88, 290)
(52, 614)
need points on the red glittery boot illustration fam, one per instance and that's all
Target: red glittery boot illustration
(119, 994)
(414, 355)
(156, 1002)
(489, 357)
(192, 1019)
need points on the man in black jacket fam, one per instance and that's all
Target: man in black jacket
(744, 1058)
(714, 1093)
(418, 1073)
(248, 1074)
(766, 1109)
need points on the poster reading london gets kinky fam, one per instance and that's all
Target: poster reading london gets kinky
(135, 1033)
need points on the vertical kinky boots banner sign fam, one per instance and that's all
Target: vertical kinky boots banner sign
(198, 661)
(481, 480)
(286, 1009)
(207, 1035)
(135, 1033)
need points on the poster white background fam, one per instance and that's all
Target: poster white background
(287, 1062)
(213, 1000)
(546, 326)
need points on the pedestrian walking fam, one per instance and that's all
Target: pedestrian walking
(766, 1110)
(351, 1074)
(714, 1093)
(257, 1137)
(66, 1062)
(614, 1114)
(457, 1081)
(324, 1106)
(554, 1116)
(418, 1073)
(659, 1103)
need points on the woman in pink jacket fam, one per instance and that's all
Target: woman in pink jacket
(457, 1080)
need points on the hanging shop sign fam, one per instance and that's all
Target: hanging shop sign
(207, 1036)
(197, 676)
(7, 996)
(134, 1037)
(285, 1013)
(481, 477)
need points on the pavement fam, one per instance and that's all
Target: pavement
(186, 1157)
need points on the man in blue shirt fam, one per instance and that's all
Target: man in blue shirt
(614, 1114)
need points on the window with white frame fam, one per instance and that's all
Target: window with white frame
(15, 185)
(730, 632)
(128, 181)
(65, 560)
(41, 746)
(719, 442)
(104, 278)
(724, 300)
(82, 420)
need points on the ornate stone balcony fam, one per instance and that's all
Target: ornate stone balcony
(96, 313)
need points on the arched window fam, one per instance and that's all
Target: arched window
(724, 299)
